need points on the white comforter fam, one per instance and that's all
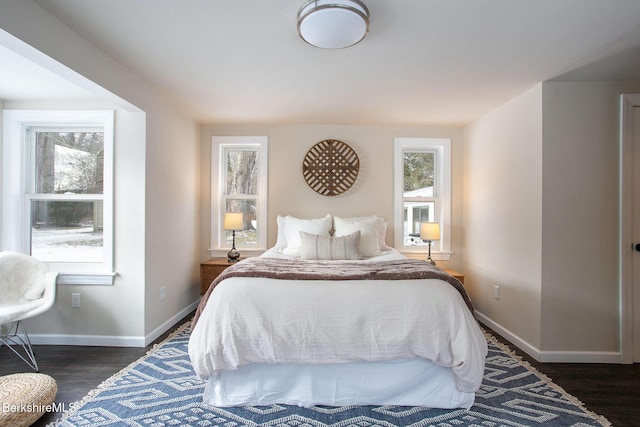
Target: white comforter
(257, 320)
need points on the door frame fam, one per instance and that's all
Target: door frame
(626, 250)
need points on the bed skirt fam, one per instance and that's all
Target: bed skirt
(407, 382)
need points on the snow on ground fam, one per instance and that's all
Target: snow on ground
(78, 244)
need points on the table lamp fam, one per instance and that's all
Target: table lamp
(430, 231)
(233, 221)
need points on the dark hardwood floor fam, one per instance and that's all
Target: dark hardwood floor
(77, 369)
(609, 390)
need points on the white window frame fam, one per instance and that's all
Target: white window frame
(440, 250)
(219, 144)
(17, 155)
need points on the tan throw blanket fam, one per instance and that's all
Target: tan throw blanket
(285, 269)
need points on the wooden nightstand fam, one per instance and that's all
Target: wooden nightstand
(455, 274)
(209, 270)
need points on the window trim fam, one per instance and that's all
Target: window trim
(16, 155)
(442, 194)
(218, 146)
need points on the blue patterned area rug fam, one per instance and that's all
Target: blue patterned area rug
(161, 389)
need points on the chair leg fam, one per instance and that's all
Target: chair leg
(16, 336)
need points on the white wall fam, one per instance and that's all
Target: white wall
(156, 194)
(371, 194)
(502, 214)
(172, 218)
(541, 219)
(580, 283)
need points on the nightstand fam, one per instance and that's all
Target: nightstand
(209, 270)
(455, 274)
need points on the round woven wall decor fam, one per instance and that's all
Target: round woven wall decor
(330, 167)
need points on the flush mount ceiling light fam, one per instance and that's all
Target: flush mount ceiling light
(333, 24)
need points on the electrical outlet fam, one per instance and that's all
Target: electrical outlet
(75, 301)
(163, 293)
(496, 292)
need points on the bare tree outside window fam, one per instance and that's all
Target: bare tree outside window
(68, 163)
(418, 170)
(241, 191)
(242, 172)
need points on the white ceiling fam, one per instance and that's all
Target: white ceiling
(425, 62)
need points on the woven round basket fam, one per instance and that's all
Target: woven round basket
(25, 398)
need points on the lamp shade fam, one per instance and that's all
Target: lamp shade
(233, 221)
(430, 231)
(333, 24)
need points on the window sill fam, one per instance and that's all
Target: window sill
(91, 279)
(244, 252)
(422, 255)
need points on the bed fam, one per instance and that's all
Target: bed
(332, 316)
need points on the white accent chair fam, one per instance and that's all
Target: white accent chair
(27, 289)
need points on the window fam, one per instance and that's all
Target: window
(422, 193)
(57, 187)
(239, 185)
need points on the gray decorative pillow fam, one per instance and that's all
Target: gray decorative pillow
(316, 246)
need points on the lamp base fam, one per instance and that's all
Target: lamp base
(429, 260)
(233, 255)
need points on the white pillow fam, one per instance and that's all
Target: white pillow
(293, 226)
(382, 230)
(314, 246)
(281, 243)
(370, 229)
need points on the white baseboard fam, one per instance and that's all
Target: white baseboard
(169, 323)
(511, 337)
(580, 357)
(112, 340)
(550, 356)
(88, 340)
